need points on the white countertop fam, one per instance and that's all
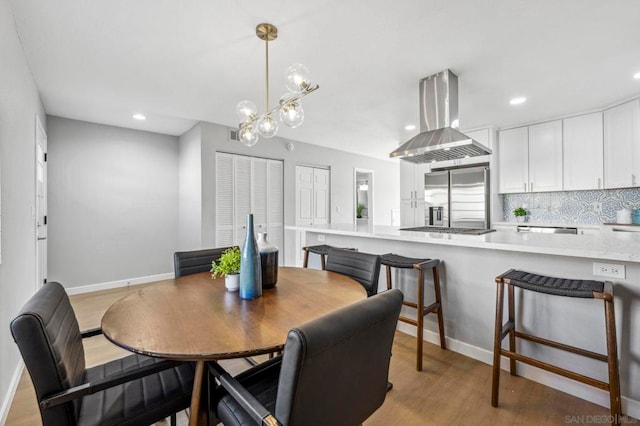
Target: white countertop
(606, 245)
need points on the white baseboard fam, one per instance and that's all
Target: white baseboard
(120, 283)
(11, 392)
(630, 406)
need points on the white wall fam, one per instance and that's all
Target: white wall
(19, 105)
(113, 203)
(342, 164)
(190, 191)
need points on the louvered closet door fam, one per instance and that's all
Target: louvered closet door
(275, 205)
(259, 194)
(224, 200)
(242, 196)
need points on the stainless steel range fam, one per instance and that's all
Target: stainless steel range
(447, 230)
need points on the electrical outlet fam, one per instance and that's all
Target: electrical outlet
(596, 207)
(320, 237)
(608, 270)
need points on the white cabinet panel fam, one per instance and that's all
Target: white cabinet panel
(513, 160)
(481, 135)
(321, 196)
(545, 157)
(582, 142)
(304, 195)
(622, 145)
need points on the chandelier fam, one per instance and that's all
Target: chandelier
(289, 107)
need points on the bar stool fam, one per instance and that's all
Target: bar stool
(322, 250)
(391, 260)
(557, 287)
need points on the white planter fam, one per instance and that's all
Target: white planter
(232, 282)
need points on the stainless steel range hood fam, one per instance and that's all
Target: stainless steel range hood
(439, 140)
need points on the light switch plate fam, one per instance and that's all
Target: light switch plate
(320, 237)
(608, 270)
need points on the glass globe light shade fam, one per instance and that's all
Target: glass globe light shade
(292, 114)
(267, 126)
(248, 134)
(298, 78)
(246, 110)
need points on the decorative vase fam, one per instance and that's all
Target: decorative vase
(268, 261)
(250, 272)
(232, 282)
(520, 219)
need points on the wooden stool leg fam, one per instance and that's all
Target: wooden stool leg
(495, 382)
(512, 329)
(305, 262)
(436, 288)
(323, 261)
(389, 277)
(420, 318)
(612, 361)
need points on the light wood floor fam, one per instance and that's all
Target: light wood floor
(452, 389)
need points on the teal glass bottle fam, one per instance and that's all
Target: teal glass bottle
(250, 270)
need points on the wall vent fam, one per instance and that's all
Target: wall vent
(234, 135)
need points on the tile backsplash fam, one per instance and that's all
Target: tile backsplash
(571, 206)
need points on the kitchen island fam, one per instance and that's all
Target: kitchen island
(470, 265)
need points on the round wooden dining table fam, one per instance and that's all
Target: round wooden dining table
(194, 318)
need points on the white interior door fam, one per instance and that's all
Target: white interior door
(41, 204)
(321, 188)
(224, 200)
(242, 196)
(275, 208)
(259, 194)
(304, 195)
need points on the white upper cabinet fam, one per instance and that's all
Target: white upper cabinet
(513, 160)
(582, 141)
(622, 145)
(481, 135)
(545, 157)
(530, 158)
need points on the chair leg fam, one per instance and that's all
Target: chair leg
(305, 261)
(512, 330)
(173, 420)
(388, 277)
(323, 261)
(612, 361)
(436, 288)
(495, 382)
(420, 318)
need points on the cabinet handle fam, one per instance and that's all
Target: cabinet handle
(525, 187)
(599, 182)
(531, 190)
(633, 180)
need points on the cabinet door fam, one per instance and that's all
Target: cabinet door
(406, 213)
(582, 145)
(224, 200)
(621, 145)
(321, 188)
(259, 194)
(242, 196)
(418, 180)
(513, 166)
(407, 177)
(545, 157)
(481, 135)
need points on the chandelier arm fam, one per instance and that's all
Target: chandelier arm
(295, 98)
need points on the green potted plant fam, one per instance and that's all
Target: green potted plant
(520, 213)
(228, 266)
(359, 209)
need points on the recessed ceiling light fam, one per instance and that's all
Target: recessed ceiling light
(518, 100)
(637, 76)
(139, 117)
(409, 127)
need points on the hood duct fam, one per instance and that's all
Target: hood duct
(439, 139)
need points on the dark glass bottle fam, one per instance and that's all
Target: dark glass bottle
(268, 261)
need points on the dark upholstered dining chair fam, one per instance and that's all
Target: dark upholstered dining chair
(334, 371)
(135, 390)
(362, 267)
(195, 261)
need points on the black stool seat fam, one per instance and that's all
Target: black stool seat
(397, 261)
(555, 286)
(320, 249)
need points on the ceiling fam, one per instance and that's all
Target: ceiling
(180, 62)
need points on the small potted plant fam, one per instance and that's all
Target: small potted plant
(520, 213)
(228, 266)
(359, 209)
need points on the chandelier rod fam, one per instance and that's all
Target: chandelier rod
(266, 40)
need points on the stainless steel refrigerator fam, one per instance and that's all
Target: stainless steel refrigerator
(457, 198)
